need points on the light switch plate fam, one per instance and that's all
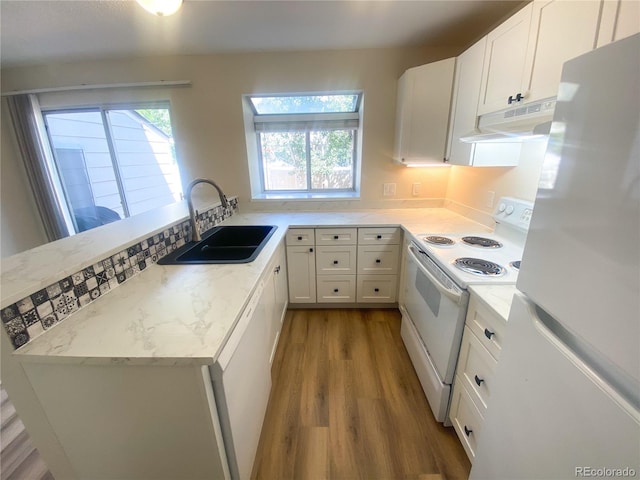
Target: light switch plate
(415, 189)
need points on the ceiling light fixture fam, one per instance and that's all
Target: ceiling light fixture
(162, 8)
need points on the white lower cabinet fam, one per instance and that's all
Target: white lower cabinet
(466, 419)
(377, 288)
(336, 288)
(479, 354)
(301, 267)
(343, 265)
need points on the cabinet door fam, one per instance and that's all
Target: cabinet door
(560, 30)
(504, 62)
(281, 290)
(465, 102)
(422, 117)
(620, 19)
(301, 270)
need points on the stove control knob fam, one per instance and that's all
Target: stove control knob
(502, 207)
(509, 210)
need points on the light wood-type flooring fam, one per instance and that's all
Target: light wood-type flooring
(346, 404)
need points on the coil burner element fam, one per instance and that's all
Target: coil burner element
(477, 266)
(438, 240)
(481, 242)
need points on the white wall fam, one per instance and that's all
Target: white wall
(469, 186)
(208, 118)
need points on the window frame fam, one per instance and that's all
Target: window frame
(101, 108)
(307, 123)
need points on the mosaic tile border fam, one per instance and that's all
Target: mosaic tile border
(36, 313)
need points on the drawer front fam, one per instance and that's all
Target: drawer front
(300, 236)
(466, 419)
(378, 259)
(487, 325)
(377, 288)
(336, 260)
(475, 368)
(379, 236)
(336, 236)
(336, 288)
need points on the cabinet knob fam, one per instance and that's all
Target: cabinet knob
(335, 290)
(335, 262)
(467, 431)
(478, 380)
(488, 333)
(311, 249)
(376, 290)
(379, 237)
(336, 237)
(378, 260)
(299, 237)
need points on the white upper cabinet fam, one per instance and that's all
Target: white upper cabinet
(464, 106)
(504, 62)
(422, 115)
(525, 54)
(560, 30)
(620, 19)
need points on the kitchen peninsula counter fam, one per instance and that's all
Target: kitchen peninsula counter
(183, 314)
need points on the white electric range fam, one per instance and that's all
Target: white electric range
(438, 269)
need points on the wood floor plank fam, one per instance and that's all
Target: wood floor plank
(347, 404)
(312, 458)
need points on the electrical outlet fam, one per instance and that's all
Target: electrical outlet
(389, 189)
(415, 189)
(489, 198)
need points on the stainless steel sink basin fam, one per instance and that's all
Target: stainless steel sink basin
(228, 244)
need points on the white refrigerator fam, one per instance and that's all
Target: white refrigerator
(566, 394)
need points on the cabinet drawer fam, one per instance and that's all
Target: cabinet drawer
(466, 419)
(487, 325)
(379, 236)
(378, 259)
(336, 236)
(300, 236)
(336, 260)
(377, 288)
(475, 368)
(336, 288)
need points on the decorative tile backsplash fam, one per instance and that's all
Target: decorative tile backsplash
(36, 313)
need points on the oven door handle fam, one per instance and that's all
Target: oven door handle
(455, 296)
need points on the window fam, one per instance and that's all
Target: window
(306, 143)
(113, 163)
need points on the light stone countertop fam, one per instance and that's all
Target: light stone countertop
(496, 297)
(183, 314)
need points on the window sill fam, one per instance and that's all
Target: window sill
(307, 196)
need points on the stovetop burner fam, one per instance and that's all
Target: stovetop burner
(481, 242)
(515, 264)
(477, 266)
(438, 240)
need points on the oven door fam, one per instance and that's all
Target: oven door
(436, 308)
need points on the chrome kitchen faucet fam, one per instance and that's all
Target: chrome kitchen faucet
(193, 214)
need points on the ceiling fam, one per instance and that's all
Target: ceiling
(34, 32)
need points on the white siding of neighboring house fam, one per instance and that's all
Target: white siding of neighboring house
(148, 169)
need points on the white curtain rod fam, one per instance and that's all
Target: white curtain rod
(161, 83)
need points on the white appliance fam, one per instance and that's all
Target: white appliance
(241, 384)
(438, 269)
(566, 400)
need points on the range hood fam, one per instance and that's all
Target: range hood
(514, 124)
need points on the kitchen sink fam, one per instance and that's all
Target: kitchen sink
(227, 244)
